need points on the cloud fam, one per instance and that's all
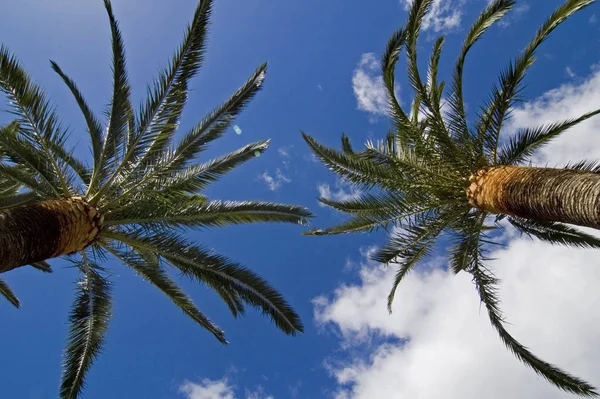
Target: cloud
(208, 389)
(368, 86)
(285, 151)
(593, 19)
(444, 15)
(439, 343)
(218, 389)
(275, 182)
(570, 72)
(341, 192)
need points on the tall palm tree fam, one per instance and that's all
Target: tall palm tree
(140, 194)
(441, 172)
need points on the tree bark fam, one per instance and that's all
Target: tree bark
(47, 229)
(558, 195)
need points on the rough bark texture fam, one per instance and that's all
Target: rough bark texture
(559, 195)
(44, 230)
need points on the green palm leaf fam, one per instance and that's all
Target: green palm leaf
(213, 270)
(522, 145)
(7, 293)
(37, 120)
(89, 320)
(192, 213)
(486, 287)
(504, 98)
(93, 125)
(42, 266)
(555, 233)
(150, 270)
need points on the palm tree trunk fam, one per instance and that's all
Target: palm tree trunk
(559, 195)
(47, 229)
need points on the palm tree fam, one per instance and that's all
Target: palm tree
(140, 194)
(440, 172)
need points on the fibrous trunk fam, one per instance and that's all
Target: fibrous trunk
(559, 195)
(47, 229)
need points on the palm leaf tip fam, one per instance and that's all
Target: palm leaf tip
(7, 293)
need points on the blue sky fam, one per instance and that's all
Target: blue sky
(321, 80)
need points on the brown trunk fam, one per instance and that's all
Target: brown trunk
(559, 195)
(44, 230)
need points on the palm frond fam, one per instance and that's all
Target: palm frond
(412, 240)
(20, 152)
(7, 293)
(469, 238)
(371, 212)
(187, 212)
(38, 121)
(151, 271)
(487, 288)
(504, 98)
(119, 116)
(197, 139)
(42, 266)
(360, 172)
(525, 142)
(198, 177)
(347, 145)
(216, 270)
(413, 26)
(585, 165)
(555, 233)
(89, 320)
(21, 176)
(213, 126)
(433, 89)
(94, 127)
(389, 61)
(457, 118)
(406, 247)
(159, 117)
(18, 199)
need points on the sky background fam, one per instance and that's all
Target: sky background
(323, 78)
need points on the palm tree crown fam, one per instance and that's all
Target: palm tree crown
(142, 190)
(419, 174)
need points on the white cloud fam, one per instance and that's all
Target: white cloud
(208, 389)
(444, 15)
(449, 349)
(275, 182)
(570, 72)
(218, 389)
(285, 151)
(439, 343)
(368, 86)
(341, 192)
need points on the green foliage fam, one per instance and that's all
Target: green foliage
(147, 186)
(420, 172)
